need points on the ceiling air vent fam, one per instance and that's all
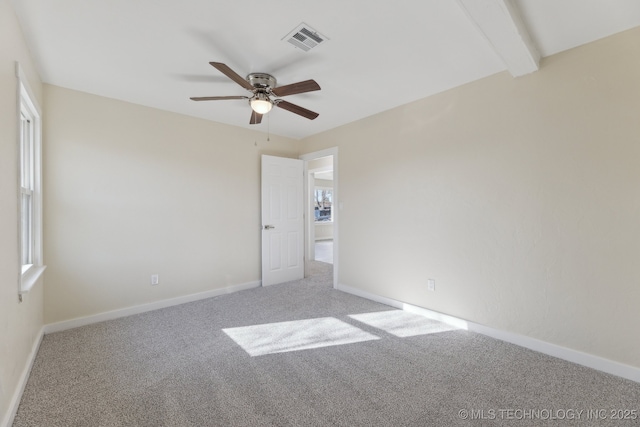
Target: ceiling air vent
(304, 37)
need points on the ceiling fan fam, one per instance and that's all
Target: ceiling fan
(264, 90)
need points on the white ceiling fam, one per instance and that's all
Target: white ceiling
(381, 54)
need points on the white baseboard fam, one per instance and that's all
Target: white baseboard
(370, 296)
(595, 362)
(143, 308)
(22, 382)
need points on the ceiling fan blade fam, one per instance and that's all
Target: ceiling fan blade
(216, 98)
(293, 88)
(256, 118)
(297, 109)
(232, 75)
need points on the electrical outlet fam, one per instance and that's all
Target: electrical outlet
(154, 279)
(431, 284)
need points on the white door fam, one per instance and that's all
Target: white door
(282, 220)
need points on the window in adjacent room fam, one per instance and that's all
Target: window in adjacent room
(323, 202)
(30, 185)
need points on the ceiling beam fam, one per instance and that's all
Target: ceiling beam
(500, 23)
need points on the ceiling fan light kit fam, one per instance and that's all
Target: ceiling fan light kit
(261, 103)
(263, 87)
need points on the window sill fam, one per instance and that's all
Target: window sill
(30, 278)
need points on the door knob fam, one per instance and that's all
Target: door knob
(269, 227)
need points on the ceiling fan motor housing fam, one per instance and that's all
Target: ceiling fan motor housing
(262, 81)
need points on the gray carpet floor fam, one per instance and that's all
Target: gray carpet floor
(180, 366)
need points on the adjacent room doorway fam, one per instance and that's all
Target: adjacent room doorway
(322, 208)
(320, 180)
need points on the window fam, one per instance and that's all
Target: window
(323, 200)
(26, 189)
(30, 188)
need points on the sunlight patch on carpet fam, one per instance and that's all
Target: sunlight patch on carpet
(402, 324)
(258, 340)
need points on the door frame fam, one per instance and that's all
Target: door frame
(308, 209)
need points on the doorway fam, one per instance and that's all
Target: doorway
(321, 210)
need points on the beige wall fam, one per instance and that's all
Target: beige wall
(20, 323)
(518, 196)
(133, 191)
(326, 183)
(323, 230)
(322, 162)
